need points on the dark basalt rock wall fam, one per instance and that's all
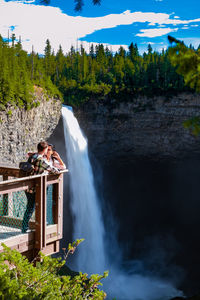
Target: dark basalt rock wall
(148, 127)
(149, 166)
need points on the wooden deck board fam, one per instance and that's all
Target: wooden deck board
(7, 232)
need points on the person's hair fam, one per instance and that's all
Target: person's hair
(41, 146)
(52, 147)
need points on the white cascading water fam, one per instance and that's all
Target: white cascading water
(88, 224)
(85, 207)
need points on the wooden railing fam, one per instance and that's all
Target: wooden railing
(43, 238)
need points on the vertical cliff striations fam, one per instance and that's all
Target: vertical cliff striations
(146, 127)
(21, 130)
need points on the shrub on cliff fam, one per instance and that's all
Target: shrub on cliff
(20, 279)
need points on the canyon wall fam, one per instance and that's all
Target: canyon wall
(147, 170)
(21, 130)
(144, 127)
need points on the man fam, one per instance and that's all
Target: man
(40, 166)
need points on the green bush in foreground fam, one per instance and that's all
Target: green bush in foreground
(20, 279)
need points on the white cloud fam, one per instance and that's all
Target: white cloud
(155, 32)
(36, 23)
(25, 1)
(178, 21)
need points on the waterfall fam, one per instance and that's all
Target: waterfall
(84, 203)
(88, 224)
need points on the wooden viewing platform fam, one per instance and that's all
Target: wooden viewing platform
(42, 236)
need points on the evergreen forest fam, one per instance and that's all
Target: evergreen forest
(77, 76)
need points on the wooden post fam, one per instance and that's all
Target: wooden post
(39, 214)
(60, 207)
(44, 201)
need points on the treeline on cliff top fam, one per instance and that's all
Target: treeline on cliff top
(79, 76)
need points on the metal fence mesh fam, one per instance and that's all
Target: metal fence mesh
(50, 204)
(14, 209)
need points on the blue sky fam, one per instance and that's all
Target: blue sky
(114, 23)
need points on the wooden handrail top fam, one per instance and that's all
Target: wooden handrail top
(30, 177)
(8, 168)
(8, 171)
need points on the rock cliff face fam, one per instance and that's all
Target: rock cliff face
(150, 169)
(144, 128)
(21, 130)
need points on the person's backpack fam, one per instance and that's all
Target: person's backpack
(25, 169)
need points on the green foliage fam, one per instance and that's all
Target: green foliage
(193, 125)
(77, 76)
(102, 74)
(72, 247)
(187, 61)
(19, 72)
(9, 113)
(20, 279)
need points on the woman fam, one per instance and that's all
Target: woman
(53, 158)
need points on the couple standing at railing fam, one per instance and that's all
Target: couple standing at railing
(46, 160)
